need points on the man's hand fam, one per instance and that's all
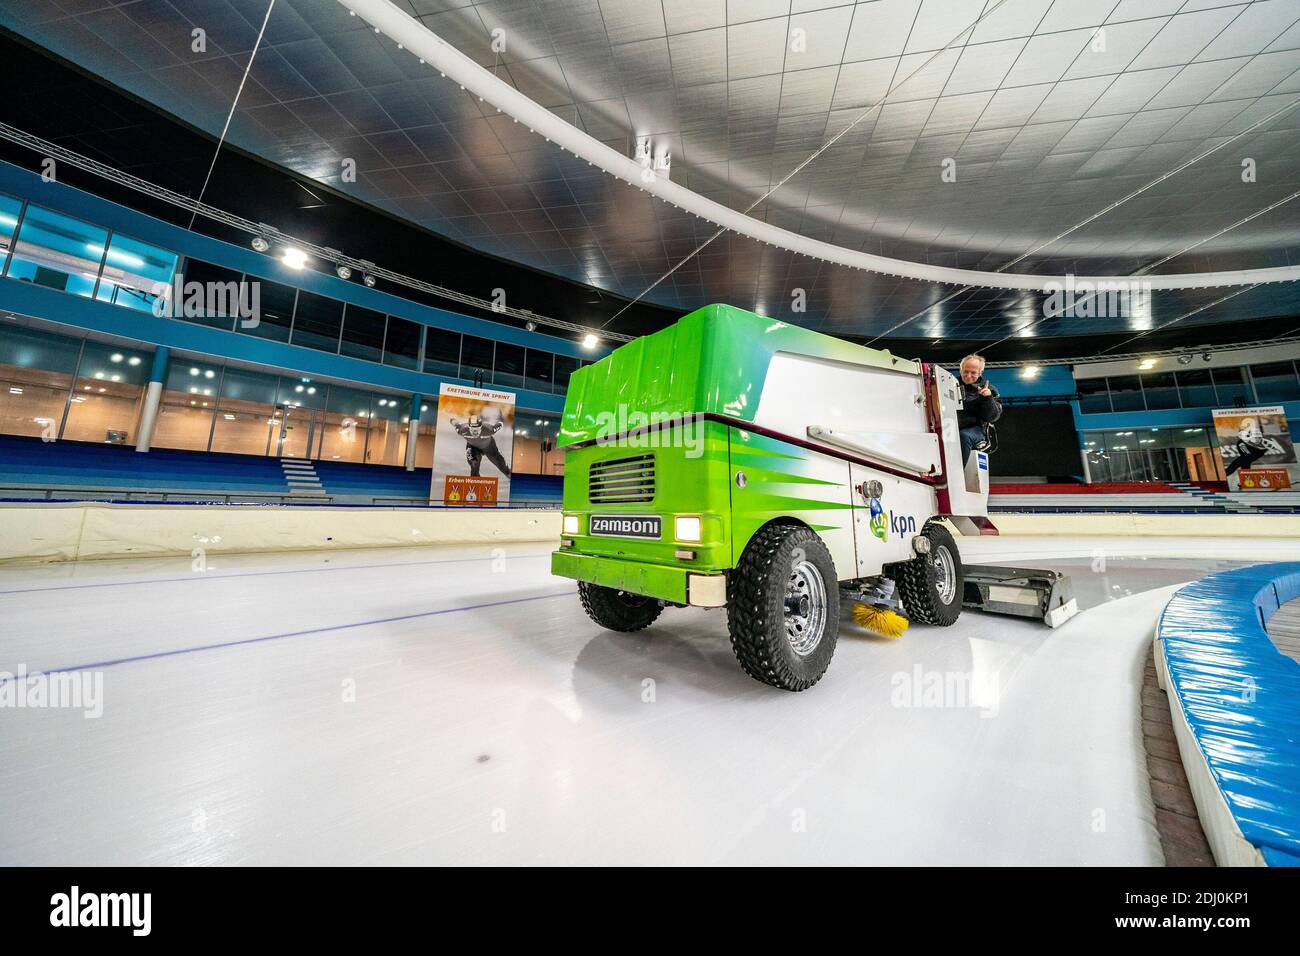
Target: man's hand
(986, 391)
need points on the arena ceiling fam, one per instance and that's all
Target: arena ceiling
(1045, 114)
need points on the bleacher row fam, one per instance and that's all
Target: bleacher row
(1140, 497)
(31, 468)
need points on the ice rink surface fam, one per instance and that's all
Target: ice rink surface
(455, 705)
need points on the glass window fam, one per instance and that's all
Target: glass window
(428, 425)
(346, 424)
(534, 445)
(402, 343)
(108, 393)
(386, 444)
(442, 352)
(317, 322)
(539, 370)
(189, 401)
(476, 356)
(363, 333)
(36, 370)
(1196, 387)
(566, 365)
(274, 318)
(1275, 382)
(57, 252)
(10, 208)
(1125, 393)
(509, 365)
(1161, 390)
(136, 274)
(211, 295)
(246, 414)
(1230, 384)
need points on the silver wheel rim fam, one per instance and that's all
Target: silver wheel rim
(945, 574)
(805, 608)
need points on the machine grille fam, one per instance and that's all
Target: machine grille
(622, 480)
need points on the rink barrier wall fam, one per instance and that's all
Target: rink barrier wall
(1145, 525)
(1232, 695)
(83, 531)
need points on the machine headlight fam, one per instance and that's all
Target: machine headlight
(570, 524)
(687, 528)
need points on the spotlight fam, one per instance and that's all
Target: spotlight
(1030, 371)
(589, 341)
(345, 272)
(261, 244)
(293, 258)
(1184, 360)
(530, 326)
(1147, 363)
(369, 280)
(1205, 356)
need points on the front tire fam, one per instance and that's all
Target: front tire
(618, 610)
(783, 608)
(931, 585)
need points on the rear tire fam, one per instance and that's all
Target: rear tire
(783, 607)
(931, 585)
(618, 610)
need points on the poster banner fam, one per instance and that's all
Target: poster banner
(473, 442)
(1256, 445)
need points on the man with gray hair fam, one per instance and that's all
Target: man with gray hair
(980, 405)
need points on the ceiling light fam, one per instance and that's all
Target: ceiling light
(293, 258)
(116, 357)
(133, 360)
(15, 390)
(194, 371)
(209, 374)
(1147, 363)
(1030, 371)
(589, 341)
(345, 272)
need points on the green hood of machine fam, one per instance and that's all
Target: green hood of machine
(712, 361)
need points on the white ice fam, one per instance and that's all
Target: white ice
(454, 705)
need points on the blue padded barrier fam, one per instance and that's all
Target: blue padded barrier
(1241, 698)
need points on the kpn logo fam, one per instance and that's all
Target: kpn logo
(878, 524)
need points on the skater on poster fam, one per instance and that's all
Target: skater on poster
(480, 443)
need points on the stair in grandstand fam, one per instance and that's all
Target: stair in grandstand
(301, 477)
(1213, 497)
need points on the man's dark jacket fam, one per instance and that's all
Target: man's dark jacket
(978, 409)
